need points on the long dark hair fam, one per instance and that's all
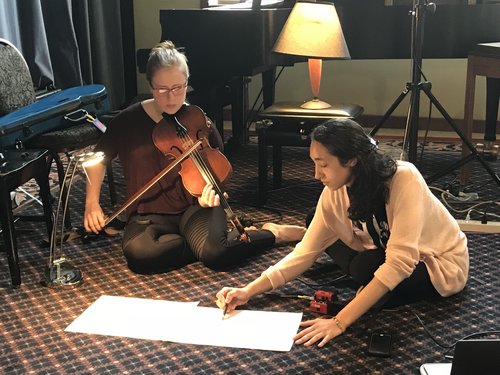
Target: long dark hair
(346, 139)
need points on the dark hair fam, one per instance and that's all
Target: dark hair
(165, 55)
(346, 139)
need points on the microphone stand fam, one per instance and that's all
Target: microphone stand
(414, 87)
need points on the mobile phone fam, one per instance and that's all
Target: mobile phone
(380, 344)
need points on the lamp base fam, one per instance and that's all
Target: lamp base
(61, 275)
(315, 104)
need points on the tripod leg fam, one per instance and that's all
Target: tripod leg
(388, 113)
(470, 91)
(411, 130)
(469, 145)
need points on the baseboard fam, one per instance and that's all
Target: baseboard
(435, 124)
(478, 227)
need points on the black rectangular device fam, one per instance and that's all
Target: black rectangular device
(479, 357)
(380, 344)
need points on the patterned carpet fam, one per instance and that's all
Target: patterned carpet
(33, 318)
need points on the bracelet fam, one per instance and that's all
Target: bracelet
(338, 324)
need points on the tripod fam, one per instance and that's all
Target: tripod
(414, 88)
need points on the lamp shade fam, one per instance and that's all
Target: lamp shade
(313, 30)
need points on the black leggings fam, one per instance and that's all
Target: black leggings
(361, 266)
(156, 243)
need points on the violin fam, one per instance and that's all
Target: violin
(184, 137)
(205, 165)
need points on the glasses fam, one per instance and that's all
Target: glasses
(176, 90)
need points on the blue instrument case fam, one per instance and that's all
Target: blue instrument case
(48, 114)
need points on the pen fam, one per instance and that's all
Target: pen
(224, 312)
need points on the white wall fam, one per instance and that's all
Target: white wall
(374, 84)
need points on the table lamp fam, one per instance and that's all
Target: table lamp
(313, 30)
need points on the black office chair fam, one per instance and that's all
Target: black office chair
(17, 89)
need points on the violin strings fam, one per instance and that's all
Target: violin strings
(197, 159)
(203, 167)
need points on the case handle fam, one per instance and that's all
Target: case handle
(76, 116)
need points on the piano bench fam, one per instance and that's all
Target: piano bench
(16, 168)
(287, 124)
(483, 60)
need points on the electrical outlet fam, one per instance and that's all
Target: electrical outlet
(478, 227)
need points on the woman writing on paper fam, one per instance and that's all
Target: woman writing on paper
(379, 222)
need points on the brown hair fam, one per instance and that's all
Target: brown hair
(165, 55)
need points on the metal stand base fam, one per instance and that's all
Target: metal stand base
(62, 275)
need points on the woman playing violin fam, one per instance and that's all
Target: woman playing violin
(167, 227)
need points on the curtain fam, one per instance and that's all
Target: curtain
(75, 42)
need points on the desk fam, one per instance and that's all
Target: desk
(287, 124)
(483, 60)
(16, 168)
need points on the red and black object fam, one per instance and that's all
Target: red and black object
(325, 303)
(324, 296)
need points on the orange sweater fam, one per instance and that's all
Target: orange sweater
(421, 229)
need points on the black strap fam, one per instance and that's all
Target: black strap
(379, 233)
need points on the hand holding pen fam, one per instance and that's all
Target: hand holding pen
(229, 298)
(221, 304)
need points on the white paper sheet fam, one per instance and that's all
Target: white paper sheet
(131, 317)
(185, 322)
(264, 330)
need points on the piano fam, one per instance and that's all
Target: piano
(226, 44)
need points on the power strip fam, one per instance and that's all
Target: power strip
(478, 227)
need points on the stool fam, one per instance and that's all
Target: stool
(483, 60)
(16, 168)
(287, 124)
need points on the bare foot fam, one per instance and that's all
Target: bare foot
(285, 233)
